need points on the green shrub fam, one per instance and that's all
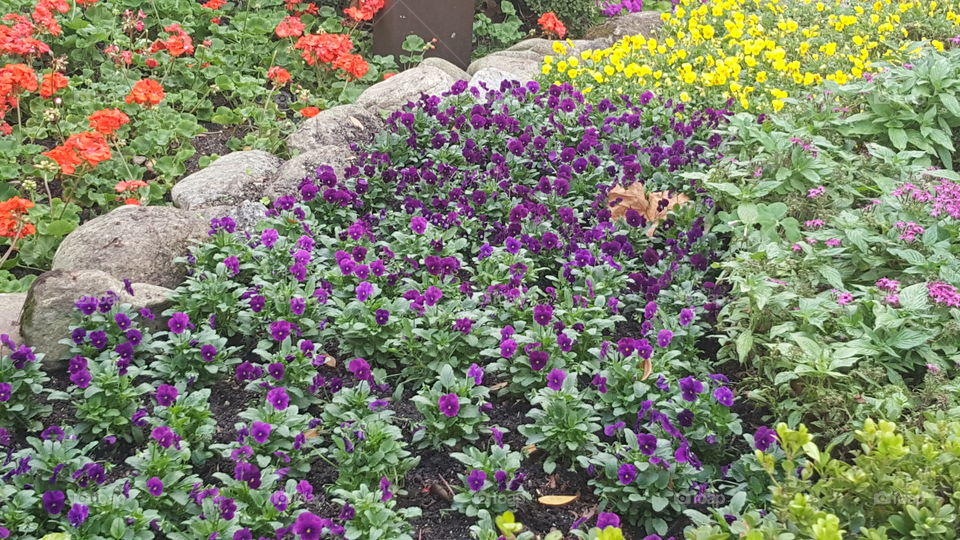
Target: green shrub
(901, 484)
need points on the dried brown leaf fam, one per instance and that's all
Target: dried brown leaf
(557, 500)
(647, 369)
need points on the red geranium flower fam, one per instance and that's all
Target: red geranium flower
(354, 64)
(13, 222)
(87, 147)
(52, 82)
(552, 25)
(290, 27)
(364, 10)
(146, 92)
(309, 112)
(278, 75)
(129, 185)
(107, 121)
(214, 4)
(177, 43)
(17, 39)
(323, 47)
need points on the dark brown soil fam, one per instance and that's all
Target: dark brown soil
(213, 142)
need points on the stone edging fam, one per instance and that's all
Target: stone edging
(130, 250)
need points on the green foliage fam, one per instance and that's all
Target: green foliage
(899, 484)
(497, 495)
(564, 425)
(912, 107)
(22, 382)
(442, 430)
(489, 36)
(376, 516)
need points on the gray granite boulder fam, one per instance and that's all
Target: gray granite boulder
(544, 47)
(447, 67)
(645, 23)
(246, 214)
(235, 177)
(395, 92)
(341, 125)
(492, 78)
(287, 180)
(523, 65)
(10, 306)
(48, 308)
(137, 243)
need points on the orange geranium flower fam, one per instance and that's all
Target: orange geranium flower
(278, 75)
(146, 92)
(52, 83)
(132, 201)
(354, 64)
(43, 14)
(87, 147)
(214, 4)
(17, 39)
(91, 146)
(107, 121)
(13, 213)
(177, 43)
(129, 185)
(323, 47)
(552, 25)
(65, 157)
(290, 27)
(309, 112)
(18, 78)
(364, 10)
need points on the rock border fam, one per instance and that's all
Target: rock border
(138, 244)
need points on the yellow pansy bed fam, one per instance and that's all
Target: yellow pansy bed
(759, 52)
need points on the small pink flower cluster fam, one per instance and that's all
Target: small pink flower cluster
(816, 192)
(891, 286)
(947, 201)
(943, 293)
(909, 231)
(813, 223)
(843, 298)
(805, 145)
(912, 191)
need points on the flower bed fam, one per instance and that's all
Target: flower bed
(104, 104)
(761, 57)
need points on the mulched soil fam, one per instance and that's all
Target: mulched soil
(428, 485)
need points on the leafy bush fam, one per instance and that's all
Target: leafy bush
(898, 485)
(913, 106)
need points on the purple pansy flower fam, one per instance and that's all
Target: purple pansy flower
(155, 486)
(260, 431)
(689, 388)
(476, 479)
(278, 398)
(555, 379)
(53, 502)
(627, 473)
(449, 405)
(724, 396)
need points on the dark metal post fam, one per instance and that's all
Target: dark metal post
(449, 21)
